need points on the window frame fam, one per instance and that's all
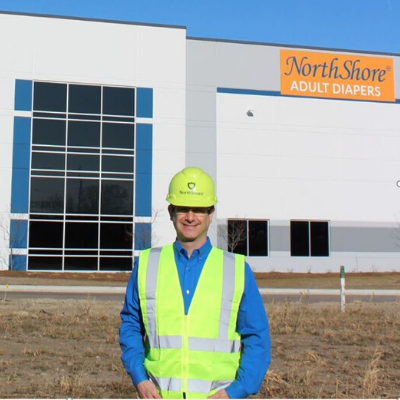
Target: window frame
(310, 240)
(123, 174)
(248, 221)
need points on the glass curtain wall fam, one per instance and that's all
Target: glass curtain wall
(82, 178)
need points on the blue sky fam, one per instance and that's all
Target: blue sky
(363, 25)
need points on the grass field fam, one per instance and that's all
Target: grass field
(69, 348)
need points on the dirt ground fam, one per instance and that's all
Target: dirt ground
(56, 348)
(69, 348)
(366, 280)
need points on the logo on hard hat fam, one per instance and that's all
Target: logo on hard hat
(191, 185)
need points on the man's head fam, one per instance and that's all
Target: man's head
(192, 198)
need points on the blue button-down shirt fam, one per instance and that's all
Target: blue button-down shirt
(252, 324)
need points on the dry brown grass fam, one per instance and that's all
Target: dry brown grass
(320, 352)
(69, 348)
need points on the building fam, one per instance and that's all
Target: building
(96, 116)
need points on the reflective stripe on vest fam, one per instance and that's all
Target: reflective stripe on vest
(230, 280)
(193, 385)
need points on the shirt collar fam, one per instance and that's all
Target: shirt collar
(200, 252)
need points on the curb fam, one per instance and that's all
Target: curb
(263, 291)
(63, 289)
(331, 292)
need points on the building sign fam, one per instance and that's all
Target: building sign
(337, 76)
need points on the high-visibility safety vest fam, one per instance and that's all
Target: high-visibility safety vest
(197, 354)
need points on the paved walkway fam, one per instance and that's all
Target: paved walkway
(263, 291)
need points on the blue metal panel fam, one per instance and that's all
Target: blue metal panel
(17, 262)
(249, 92)
(142, 236)
(144, 106)
(23, 95)
(18, 234)
(22, 130)
(20, 170)
(143, 176)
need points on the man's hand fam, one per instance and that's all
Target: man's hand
(221, 394)
(147, 390)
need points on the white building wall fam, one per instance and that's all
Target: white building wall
(295, 158)
(298, 158)
(98, 52)
(312, 159)
(306, 158)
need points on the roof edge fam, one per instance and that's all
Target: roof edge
(87, 19)
(255, 43)
(295, 46)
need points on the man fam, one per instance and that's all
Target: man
(193, 321)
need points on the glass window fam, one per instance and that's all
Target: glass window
(319, 239)
(309, 238)
(72, 188)
(237, 236)
(80, 263)
(47, 195)
(116, 236)
(48, 160)
(258, 238)
(248, 237)
(120, 136)
(83, 134)
(82, 196)
(45, 263)
(116, 264)
(46, 234)
(50, 97)
(117, 197)
(48, 131)
(81, 235)
(117, 164)
(84, 99)
(83, 162)
(299, 238)
(118, 101)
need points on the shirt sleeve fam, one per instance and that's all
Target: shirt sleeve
(253, 326)
(131, 332)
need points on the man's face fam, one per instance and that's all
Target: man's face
(191, 223)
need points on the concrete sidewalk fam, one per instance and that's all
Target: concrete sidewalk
(263, 291)
(331, 292)
(63, 289)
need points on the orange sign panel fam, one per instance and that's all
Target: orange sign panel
(337, 76)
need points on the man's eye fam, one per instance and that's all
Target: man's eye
(197, 211)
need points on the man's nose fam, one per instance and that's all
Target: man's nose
(190, 215)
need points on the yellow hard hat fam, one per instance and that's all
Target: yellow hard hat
(192, 187)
